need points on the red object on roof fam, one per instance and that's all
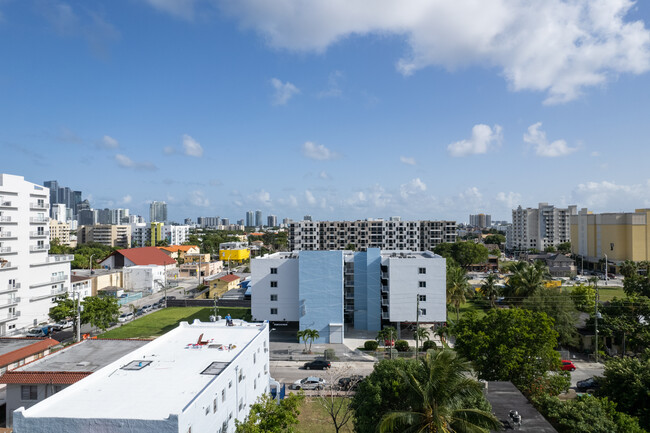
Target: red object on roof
(56, 377)
(146, 256)
(22, 353)
(175, 248)
(230, 278)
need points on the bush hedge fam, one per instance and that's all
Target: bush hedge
(371, 345)
(428, 344)
(402, 345)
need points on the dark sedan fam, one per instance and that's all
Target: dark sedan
(318, 364)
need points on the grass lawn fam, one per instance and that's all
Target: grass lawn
(159, 322)
(314, 419)
(605, 293)
(480, 306)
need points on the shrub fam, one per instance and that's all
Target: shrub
(427, 345)
(330, 354)
(402, 346)
(371, 345)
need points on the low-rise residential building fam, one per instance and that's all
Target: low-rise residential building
(99, 279)
(17, 351)
(221, 285)
(325, 290)
(138, 257)
(559, 265)
(176, 235)
(192, 268)
(116, 236)
(234, 251)
(34, 382)
(150, 278)
(199, 377)
(81, 286)
(181, 251)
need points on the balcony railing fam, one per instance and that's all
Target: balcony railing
(384, 302)
(5, 234)
(5, 219)
(10, 316)
(4, 202)
(38, 234)
(37, 248)
(384, 288)
(39, 206)
(4, 250)
(39, 220)
(385, 315)
(58, 278)
(10, 288)
(9, 302)
(59, 258)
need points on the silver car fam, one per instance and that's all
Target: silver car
(309, 383)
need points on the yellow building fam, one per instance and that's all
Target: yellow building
(221, 285)
(234, 251)
(620, 236)
(156, 233)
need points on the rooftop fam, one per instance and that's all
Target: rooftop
(229, 278)
(504, 397)
(163, 376)
(176, 248)
(15, 349)
(145, 256)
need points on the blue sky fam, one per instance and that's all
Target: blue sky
(425, 109)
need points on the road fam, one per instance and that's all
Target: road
(585, 370)
(288, 372)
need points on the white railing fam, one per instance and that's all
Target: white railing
(5, 219)
(58, 278)
(39, 205)
(5, 250)
(39, 220)
(4, 202)
(5, 234)
(39, 234)
(60, 258)
(5, 265)
(39, 248)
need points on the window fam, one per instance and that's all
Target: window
(422, 270)
(214, 405)
(230, 384)
(254, 358)
(274, 270)
(28, 392)
(274, 297)
(423, 283)
(274, 311)
(423, 311)
(274, 284)
(422, 298)
(223, 395)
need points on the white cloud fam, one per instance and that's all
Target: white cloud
(262, 197)
(482, 140)
(537, 138)
(310, 197)
(323, 175)
(509, 199)
(191, 147)
(127, 199)
(318, 151)
(126, 162)
(608, 196)
(180, 8)
(333, 86)
(408, 160)
(558, 47)
(283, 91)
(197, 198)
(413, 187)
(109, 142)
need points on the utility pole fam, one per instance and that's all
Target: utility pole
(417, 325)
(90, 264)
(596, 321)
(216, 308)
(78, 318)
(606, 269)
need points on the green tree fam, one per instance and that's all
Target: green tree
(623, 320)
(636, 283)
(584, 297)
(515, 344)
(586, 414)
(564, 248)
(308, 335)
(526, 281)
(387, 333)
(489, 289)
(496, 239)
(99, 312)
(269, 416)
(463, 253)
(457, 288)
(351, 247)
(559, 306)
(626, 381)
(56, 247)
(65, 308)
(421, 334)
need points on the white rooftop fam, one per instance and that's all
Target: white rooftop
(156, 380)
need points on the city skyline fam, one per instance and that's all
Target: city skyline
(342, 112)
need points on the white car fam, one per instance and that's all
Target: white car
(309, 383)
(125, 317)
(64, 324)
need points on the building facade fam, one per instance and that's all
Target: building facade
(158, 212)
(364, 234)
(539, 228)
(176, 235)
(480, 220)
(199, 377)
(30, 278)
(105, 234)
(250, 219)
(60, 231)
(621, 236)
(328, 290)
(272, 221)
(234, 251)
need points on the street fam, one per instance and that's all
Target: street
(288, 372)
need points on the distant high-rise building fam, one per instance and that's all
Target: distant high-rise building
(258, 218)
(539, 228)
(103, 216)
(480, 220)
(225, 221)
(250, 218)
(63, 195)
(208, 222)
(272, 221)
(87, 217)
(307, 218)
(240, 222)
(188, 221)
(158, 211)
(286, 221)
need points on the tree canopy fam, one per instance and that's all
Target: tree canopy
(515, 344)
(463, 253)
(497, 239)
(269, 416)
(637, 278)
(99, 312)
(559, 306)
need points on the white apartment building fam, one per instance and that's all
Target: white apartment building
(176, 235)
(539, 227)
(326, 290)
(140, 234)
(30, 278)
(199, 377)
(372, 233)
(152, 278)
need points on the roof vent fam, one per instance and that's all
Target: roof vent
(83, 364)
(215, 368)
(136, 365)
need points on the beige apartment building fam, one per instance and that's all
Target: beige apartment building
(61, 231)
(620, 236)
(106, 234)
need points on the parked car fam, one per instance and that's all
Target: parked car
(139, 312)
(125, 317)
(147, 308)
(588, 385)
(64, 324)
(348, 383)
(611, 276)
(319, 364)
(567, 365)
(35, 333)
(309, 383)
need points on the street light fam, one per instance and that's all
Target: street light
(90, 263)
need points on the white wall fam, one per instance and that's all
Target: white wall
(287, 288)
(152, 278)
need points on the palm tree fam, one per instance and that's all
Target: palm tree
(312, 335)
(527, 280)
(302, 335)
(457, 287)
(489, 289)
(421, 334)
(442, 402)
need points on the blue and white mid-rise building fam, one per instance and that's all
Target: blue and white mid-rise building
(329, 290)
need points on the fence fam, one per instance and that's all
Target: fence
(208, 303)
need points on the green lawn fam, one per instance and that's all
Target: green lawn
(605, 293)
(315, 419)
(159, 322)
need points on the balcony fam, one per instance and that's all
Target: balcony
(54, 258)
(5, 235)
(9, 317)
(58, 278)
(9, 302)
(385, 315)
(39, 234)
(5, 250)
(4, 202)
(39, 206)
(5, 265)
(10, 288)
(5, 219)
(38, 248)
(39, 220)
(349, 294)
(384, 275)
(384, 302)
(384, 288)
